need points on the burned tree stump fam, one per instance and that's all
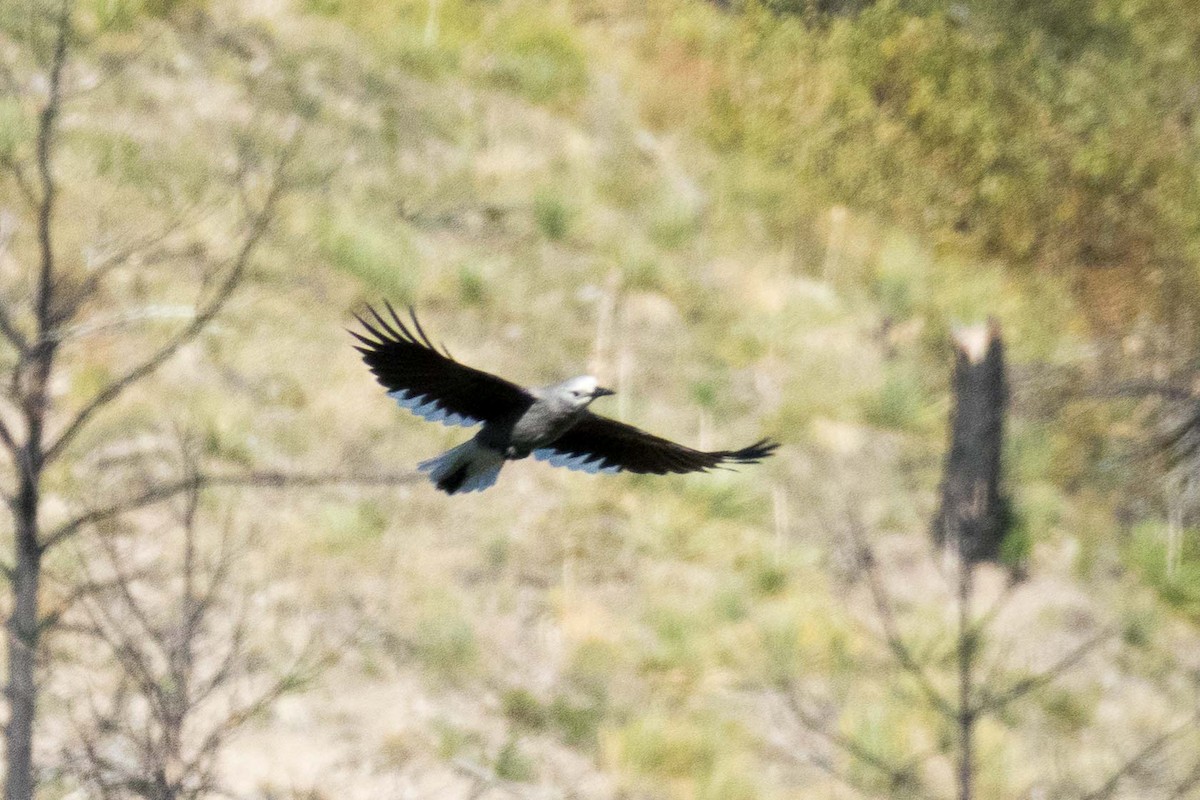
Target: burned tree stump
(973, 514)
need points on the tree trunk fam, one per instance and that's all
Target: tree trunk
(24, 626)
(22, 644)
(966, 694)
(973, 514)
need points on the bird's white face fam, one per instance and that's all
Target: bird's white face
(582, 390)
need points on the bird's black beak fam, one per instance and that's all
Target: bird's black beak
(601, 392)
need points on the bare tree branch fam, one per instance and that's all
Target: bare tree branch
(9, 441)
(45, 141)
(195, 675)
(101, 267)
(1139, 389)
(7, 328)
(17, 172)
(1184, 787)
(204, 315)
(127, 61)
(266, 479)
(895, 641)
(898, 776)
(989, 702)
(1155, 745)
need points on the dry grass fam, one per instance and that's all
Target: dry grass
(567, 635)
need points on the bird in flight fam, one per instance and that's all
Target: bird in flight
(551, 423)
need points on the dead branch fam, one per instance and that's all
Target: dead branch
(7, 328)
(887, 617)
(898, 776)
(204, 315)
(258, 479)
(990, 703)
(1154, 746)
(101, 267)
(156, 653)
(19, 177)
(44, 144)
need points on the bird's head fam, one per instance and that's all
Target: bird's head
(581, 391)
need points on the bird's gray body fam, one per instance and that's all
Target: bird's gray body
(555, 409)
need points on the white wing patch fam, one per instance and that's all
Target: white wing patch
(430, 410)
(583, 463)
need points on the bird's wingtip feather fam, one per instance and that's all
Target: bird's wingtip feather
(753, 454)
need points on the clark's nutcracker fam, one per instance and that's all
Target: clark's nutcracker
(552, 423)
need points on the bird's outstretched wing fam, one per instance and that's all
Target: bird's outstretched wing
(599, 444)
(429, 382)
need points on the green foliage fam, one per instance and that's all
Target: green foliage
(352, 525)
(536, 57)
(446, 645)
(1174, 575)
(1017, 546)
(770, 579)
(327, 8)
(1139, 625)
(552, 215)
(577, 722)
(472, 285)
(512, 764)
(382, 258)
(523, 709)
(123, 15)
(673, 224)
(592, 667)
(454, 740)
(901, 403)
(1046, 134)
(667, 748)
(1068, 711)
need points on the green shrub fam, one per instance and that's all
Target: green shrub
(552, 215)
(445, 644)
(532, 55)
(900, 403)
(381, 257)
(1177, 582)
(524, 710)
(512, 764)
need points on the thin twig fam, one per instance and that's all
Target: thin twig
(7, 328)
(9, 441)
(114, 72)
(895, 641)
(198, 324)
(44, 143)
(105, 264)
(990, 703)
(260, 479)
(20, 178)
(897, 775)
(1185, 786)
(1153, 746)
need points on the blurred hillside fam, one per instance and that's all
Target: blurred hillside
(758, 218)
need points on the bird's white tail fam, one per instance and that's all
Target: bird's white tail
(470, 467)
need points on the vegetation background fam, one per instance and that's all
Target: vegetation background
(752, 218)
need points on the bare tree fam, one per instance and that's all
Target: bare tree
(188, 676)
(63, 283)
(952, 680)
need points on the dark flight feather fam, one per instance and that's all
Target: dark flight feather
(600, 444)
(430, 382)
